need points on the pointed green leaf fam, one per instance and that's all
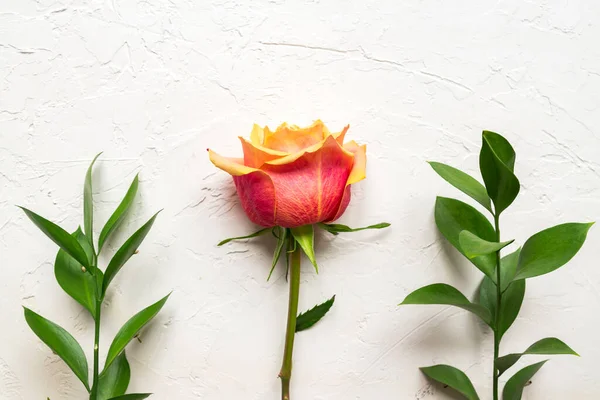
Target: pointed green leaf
(496, 161)
(453, 377)
(115, 380)
(309, 318)
(88, 204)
(550, 249)
(250, 236)
(117, 217)
(513, 390)
(474, 246)
(547, 346)
(463, 182)
(512, 299)
(442, 294)
(281, 239)
(453, 216)
(61, 237)
(131, 328)
(60, 342)
(305, 237)
(125, 252)
(71, 278)
(339, 228)
(508, 268)
(133, 396)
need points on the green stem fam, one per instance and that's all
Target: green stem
(286, 368)
(498, 306)
(94, 394)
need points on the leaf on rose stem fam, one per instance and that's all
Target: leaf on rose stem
(307, 319)
(463, 182)
(250, 236)
(453, 377)
(474, 246)
(512, 299)
(442, 294)
(453, 216)
(550, 249)
(305, 237)
(88, 204)
(281, 239)
(496, 162)
(61, 237)
(336, 229)
(60, 342)
(513, 390)
(71, 278)
(125, 252)
(547, 346)
(133, 396)
(131, 328)
(118, 215)
(115, 380)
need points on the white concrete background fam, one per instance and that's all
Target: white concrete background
(154, 83)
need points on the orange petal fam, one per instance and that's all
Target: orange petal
(257, 136)
(359, 169)
(256, 155)
(339, 136)
(292, 139)
(233, 166)
(357, 174)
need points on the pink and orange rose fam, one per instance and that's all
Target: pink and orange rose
(295, 176)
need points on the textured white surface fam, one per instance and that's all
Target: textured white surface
(153, 83)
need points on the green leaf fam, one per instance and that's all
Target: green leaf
(133, 396)
(512, 299)
(250, 236)
(474, 246)
(281, 238)
(114, 380)
(336, 229)
(88, 204)
(453, 377)
(309, 318)
(547, 346)
(60, 342)
(117, 217)
(125, 252)
(453, 216)
(442, 294)
(508, 268)
(71, 278)
(305, 237)
(131, 328)
(497, 161)
(513, 390)
(61, 237)
(550, 249)
(463, 182)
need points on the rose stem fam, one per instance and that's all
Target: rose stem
(286, 368)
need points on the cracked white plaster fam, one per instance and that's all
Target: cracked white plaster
(154, 83)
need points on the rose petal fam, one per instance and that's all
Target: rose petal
(256, 155)
(255, 189)
(257, 195)
(358, 173)
(310, 187)
(292, 139)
